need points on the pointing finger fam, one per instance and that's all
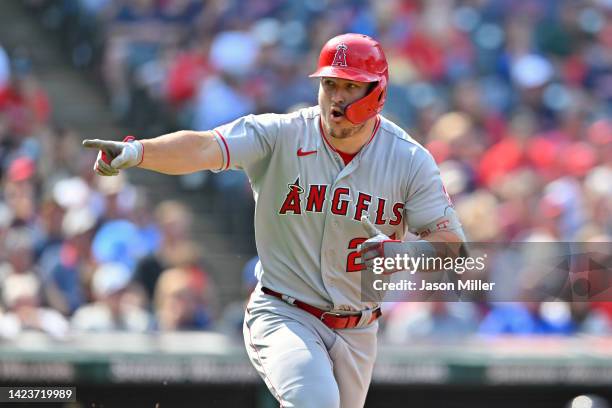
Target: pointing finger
(93, 143)
(370, 229)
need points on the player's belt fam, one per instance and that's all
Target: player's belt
(333, 320)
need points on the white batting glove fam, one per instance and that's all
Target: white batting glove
(381, 246)
(374, 247)
(114, 156)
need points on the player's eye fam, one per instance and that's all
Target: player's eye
(353, 87)
(328, 82)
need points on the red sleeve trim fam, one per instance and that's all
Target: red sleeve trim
(226, 149)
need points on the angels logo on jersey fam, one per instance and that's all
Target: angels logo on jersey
(292, 201)
(340, 57)
(340, 199)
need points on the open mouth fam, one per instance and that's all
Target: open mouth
(336, 113)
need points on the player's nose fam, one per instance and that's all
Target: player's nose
(338, 97)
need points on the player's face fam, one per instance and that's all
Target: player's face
(335, 95)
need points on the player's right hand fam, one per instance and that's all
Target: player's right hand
(114, 156)
(374, 246)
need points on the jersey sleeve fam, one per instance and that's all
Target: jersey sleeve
(247, 140)
(427, 199)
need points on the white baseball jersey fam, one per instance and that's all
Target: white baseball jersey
(309, 203)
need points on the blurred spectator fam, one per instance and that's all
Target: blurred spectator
(118, 196)
(233, 314)
(19, 252)
(528, 318)
(20, 190)
(592, 317)
(179, 304)
(60, 155)
(24, 101)
(142, 216)
(48, 225)
(112, 310)
(66, 265)
(118, 239)
(189, 68)
(21, 296)
(174, 247)
(5, 67)
(6, 219)
(408, 321)
(137, 34)
(478, 214)
(220, 100)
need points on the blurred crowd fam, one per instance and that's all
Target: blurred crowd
(83, 252)
(512, 98)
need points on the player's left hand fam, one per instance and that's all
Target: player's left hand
(374, 246)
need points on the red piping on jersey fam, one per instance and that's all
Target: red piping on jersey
(226, 149)
(347, 157)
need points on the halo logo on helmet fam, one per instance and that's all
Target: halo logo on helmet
(340, 57)
(366, 62)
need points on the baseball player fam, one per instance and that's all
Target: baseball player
(336, 186)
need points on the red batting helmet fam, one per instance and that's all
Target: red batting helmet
(360, 58)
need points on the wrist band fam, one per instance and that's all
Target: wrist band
(131, 138)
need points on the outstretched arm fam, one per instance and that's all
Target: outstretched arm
(182, 152)
(174, 153)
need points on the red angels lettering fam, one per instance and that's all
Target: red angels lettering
(340, 207)
(316, 197)
(397, 212)
(340, 57)
(363, 203)
(380, 210)
(341, 200)
(292, 201)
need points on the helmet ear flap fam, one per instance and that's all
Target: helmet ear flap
(368, 106)
(382, 95)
